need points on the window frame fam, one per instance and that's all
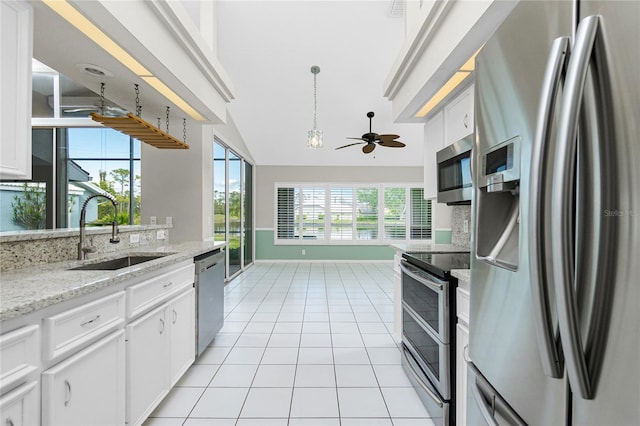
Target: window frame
(299, 238)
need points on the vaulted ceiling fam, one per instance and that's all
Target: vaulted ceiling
(268, 48)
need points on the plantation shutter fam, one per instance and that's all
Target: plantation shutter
(420, 225)
(286, 223)
(395, 221)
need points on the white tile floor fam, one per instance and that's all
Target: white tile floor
(302, 345)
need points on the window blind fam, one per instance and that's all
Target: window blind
(420, 224)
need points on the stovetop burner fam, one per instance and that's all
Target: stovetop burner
(440, 263)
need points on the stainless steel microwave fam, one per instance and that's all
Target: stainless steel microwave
(454, 172)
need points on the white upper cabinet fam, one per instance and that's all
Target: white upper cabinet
(458, 114)
(433, 142)
(16, 45)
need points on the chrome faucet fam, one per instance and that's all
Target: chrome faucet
(82, 250)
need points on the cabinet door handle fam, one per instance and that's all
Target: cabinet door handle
(466, 121)
(67, 391)
(169, 284)
(161, 325)
(175, 316)
(91, 321)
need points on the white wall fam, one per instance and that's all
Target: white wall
(178, 183)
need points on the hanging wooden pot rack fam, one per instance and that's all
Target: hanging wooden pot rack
(136, 127)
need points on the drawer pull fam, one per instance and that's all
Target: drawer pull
(67, 396)
(168, 285)
(161, 326)
(91, 321)
(175, 316)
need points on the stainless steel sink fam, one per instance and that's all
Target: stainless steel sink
(119, 263)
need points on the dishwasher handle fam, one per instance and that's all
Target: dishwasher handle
(208, 260)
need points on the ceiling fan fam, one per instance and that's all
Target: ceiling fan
(371, 139)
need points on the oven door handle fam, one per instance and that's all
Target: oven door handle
(412, 367)
(423, 280)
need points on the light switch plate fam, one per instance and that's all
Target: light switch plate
(153, 220)
(169, 220)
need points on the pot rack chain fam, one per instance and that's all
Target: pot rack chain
(102, 98)
(138, 106)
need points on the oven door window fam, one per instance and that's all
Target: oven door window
(423, 300)
(428, 347)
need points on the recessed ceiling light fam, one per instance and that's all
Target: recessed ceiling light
(94, 70)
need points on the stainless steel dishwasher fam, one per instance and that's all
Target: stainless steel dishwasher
(209, 283)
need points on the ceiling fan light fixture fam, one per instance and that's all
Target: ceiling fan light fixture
(314, 136)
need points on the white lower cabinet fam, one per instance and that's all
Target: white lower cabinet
(183, 337)
(160, 348)
(88, 387)
(20, 406)
(462, 339)
(147, 357)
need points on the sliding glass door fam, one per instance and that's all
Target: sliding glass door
(233, 207)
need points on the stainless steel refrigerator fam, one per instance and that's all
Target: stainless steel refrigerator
(555, 270)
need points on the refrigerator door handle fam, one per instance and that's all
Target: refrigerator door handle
(562, 205)
(541, 266)
(484, 407)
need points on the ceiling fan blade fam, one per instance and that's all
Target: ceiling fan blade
(368, 148)
(387, 138)
(393, 144)
(351, 144)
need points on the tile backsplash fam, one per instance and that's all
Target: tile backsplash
(458, 216)
(27, 248)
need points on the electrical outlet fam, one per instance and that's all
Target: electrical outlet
(134, 238)
(153, 220)
(465, 226)
(169, 220)
(304, 252)
(161, 235)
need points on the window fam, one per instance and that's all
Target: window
(69, 165)
(395, 208)
(350, 214)
(367, 213)
(341, 213)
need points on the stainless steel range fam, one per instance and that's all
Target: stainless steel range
(428, 318)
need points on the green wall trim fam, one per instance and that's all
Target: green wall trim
(266, 250)
(442, 237)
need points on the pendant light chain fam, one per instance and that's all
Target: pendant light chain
(314, 136)
(167, 119)
(315, 100)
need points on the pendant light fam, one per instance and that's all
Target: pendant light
(314, 137)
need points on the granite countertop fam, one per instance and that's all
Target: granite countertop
(427, 248)
(29, 289)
